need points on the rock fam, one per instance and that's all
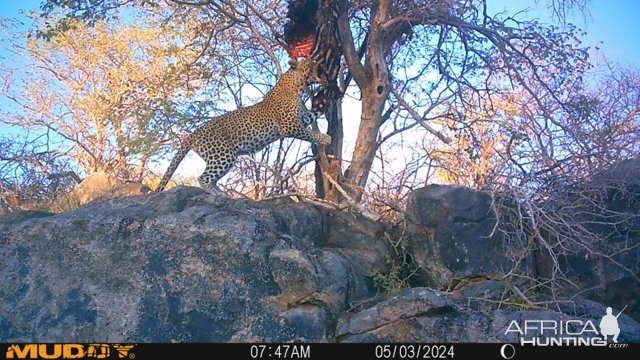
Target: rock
(452, 238)
(450, 234)
(410, 304)
(182, 266)
(9, 202)
(100, 185)
(185, 266)
(424, 315)
(615, 281)
(608, 206)
(626, 171)
(22, 215)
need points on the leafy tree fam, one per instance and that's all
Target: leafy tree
(108, 94)
(407, 58)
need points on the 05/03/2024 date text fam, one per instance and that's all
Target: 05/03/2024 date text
(414, 352)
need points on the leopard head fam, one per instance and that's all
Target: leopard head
(308, 68)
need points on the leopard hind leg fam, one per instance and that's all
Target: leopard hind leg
(218, 165)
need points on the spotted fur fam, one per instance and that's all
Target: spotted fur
(281, 114)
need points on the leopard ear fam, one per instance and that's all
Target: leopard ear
(293, 63)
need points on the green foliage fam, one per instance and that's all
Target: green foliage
(401, 266)
(56, 203)
(392, 282)
(80, 11)
(107, 92)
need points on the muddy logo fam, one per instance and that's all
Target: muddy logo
(70, 351)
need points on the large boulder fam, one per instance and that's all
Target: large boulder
(184, 266)
(451, 235)
(100, 185)
(8, 203)
(607, 269)
(424, 315)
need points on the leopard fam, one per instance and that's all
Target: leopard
(247, 130)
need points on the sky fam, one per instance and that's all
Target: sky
(614, 22)
(610, 24)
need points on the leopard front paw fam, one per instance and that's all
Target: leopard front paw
(323, 139)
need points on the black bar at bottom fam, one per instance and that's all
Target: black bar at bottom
(313, 351)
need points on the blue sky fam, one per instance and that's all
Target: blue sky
(11, 8)
(614, 22)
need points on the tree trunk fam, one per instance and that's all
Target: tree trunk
(333, 152)
(357, 173)
(373, 80)
(329, 50)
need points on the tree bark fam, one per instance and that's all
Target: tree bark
(329, 161)
(333, 152)
(357, 173)
(373, 80)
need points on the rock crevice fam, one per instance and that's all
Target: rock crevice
(183, 266)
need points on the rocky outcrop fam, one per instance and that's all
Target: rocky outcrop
(183, 266)
(609, 207)
(424, 315)
(451, 235)
(100, 185)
